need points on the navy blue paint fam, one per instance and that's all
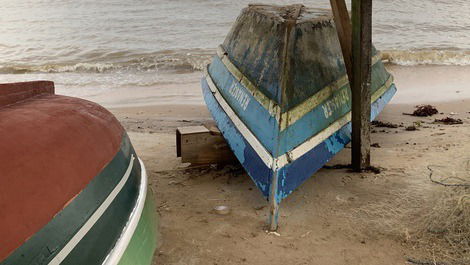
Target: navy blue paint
(294, 174)
(255, 167)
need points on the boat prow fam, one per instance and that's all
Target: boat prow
(279, 93)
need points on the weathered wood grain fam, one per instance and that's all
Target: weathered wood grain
(202, 145)
(361, 78)
(343, 27)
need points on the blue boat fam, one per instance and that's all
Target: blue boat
(279, 93)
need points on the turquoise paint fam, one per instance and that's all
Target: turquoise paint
(261, 123)
(253, 164)
(315, 120)
(281, 191)
(261, 185)
(237, 144)
(265, 127)
(294, 173)
(333, 145)
(308, 59)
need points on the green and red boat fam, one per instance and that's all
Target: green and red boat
(73, 190)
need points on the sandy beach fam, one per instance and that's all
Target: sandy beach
(143, 61)
(335, 217)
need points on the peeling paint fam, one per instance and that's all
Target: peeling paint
(286, 81)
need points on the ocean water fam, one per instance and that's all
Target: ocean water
(87, 46)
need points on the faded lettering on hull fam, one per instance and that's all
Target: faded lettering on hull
(335, 103)
(239, 95)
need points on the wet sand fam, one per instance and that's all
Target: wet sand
(416, 84)
(335, 217)
(431, 83)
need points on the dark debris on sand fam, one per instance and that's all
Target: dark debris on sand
(372, 169)
(411, 128)
(337, 166)
(424, 111)
(376, 145)
(384, 124)
(449, 121)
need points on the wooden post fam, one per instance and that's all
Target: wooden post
(343, 28)
(361, 76)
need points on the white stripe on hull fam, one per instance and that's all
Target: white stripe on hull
(247, 134)
(301, 149)
(116, 253)
(313, 142)
(65, 251)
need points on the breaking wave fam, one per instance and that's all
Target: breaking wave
(427, 57)
(176, 61)
(186, 61)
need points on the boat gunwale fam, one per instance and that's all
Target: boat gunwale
(115, 255)
(289, 156)
(258, 8)
(290, 116)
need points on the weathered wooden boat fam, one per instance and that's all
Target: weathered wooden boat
(72, 189)
(280, 95)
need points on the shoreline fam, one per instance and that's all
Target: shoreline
(182, 104)
(166, 118)
(415, 84)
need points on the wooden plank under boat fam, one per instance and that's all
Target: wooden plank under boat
(279, 93)
(72, 188)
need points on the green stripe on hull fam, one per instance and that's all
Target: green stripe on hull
(43, 246)
(144, 241)
(100, 240)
